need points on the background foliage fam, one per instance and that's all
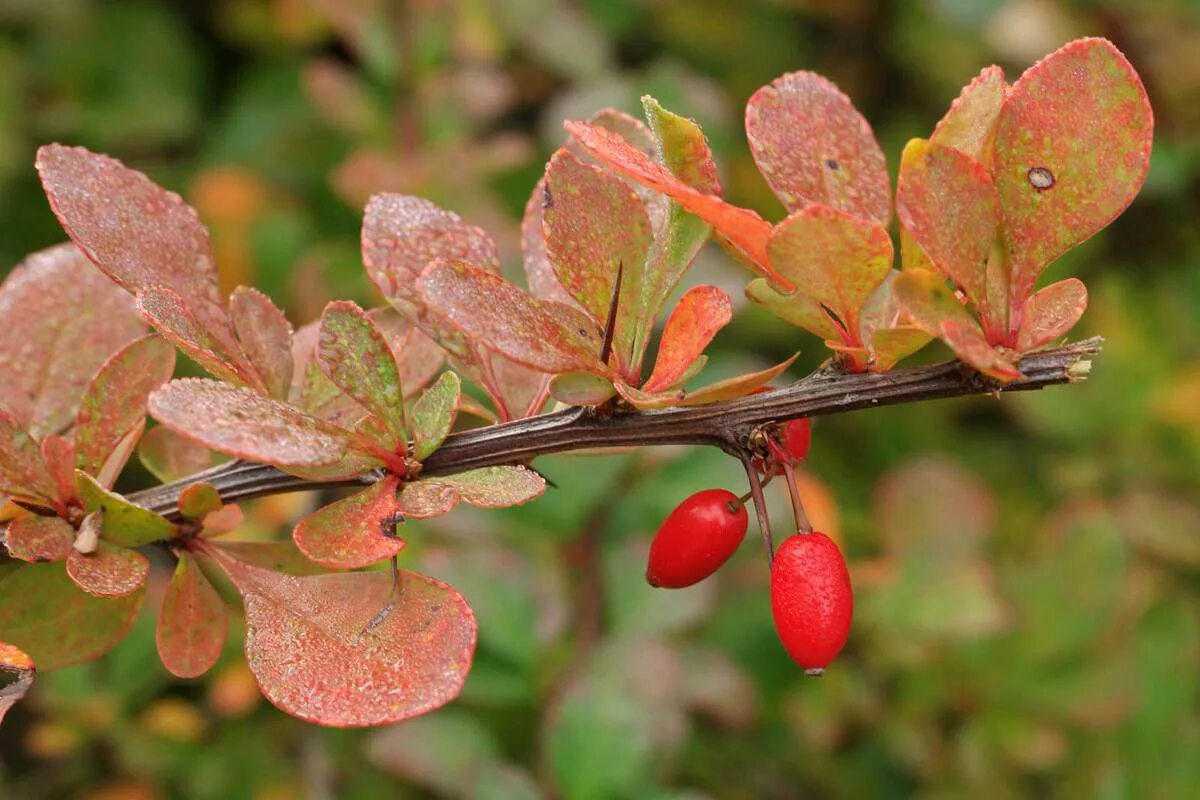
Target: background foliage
(1027, 570)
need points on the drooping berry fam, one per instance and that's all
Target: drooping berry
(796, 438)
(811, 599)
(696, 539)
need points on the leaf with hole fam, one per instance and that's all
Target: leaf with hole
(1072, 149)
(349, 649)
(115, 400)
(695, 320)
(108, 571)
(62, 320)
(192, 622)
(56, 623)
(354, 355)
(433, 415)
(244, 424)
(356, 531)
(813, 146)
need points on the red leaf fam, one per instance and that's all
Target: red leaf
(540, 334)
(58, 453)
(62, 319)
(36, 538)
(354, 355)
(347, 650)
(110, 571)
(22, 470)
(43, 613)
(245, 424)
(115, 401)
(592, 222)
(539, 272)
(813, 146)
(1050, 313)
(202, 333)
(968, 343)
(192, 623)
(278, 556)
(834, 258)
(948, 204)
(266, 338)
(16, 676)
(137, 232)
(970, 124)
(495, 487)
(1072, 149)
(356, 531)
(744, 229)
(700, 313)
(170, 456)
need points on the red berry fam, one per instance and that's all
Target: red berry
(811, 599)
(796, 437)
(696, 539)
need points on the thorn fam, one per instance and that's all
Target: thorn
(610, 324)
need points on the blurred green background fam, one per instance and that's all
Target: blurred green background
(1027, 569)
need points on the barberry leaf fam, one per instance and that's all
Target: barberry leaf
(968, 343)
(58, 453)
(16, 676)
(1050, 312)
(351, 650)
(138, 233)
(356, 531)
(496, 487)
(928, 301)
(115, 401)
(795, 308)
(889, 345)
(833, 257)
(170, 456)
(540, 334)
(265, 336)
(813, 146)
(36, 538)
(433, 415)
(521, 390)
(947, 202)
(580, 389)
(278, 556)
(593, 222)
(728, 389)
(744, 229)
(970, 123)
(244, 424)
(62, 320)
(354, 355)
(201, 333)
(199, 500)
(192, 623)
(1072, 148)
(123, 523)
(58, 625)
(427, 499)
(108, 571)
(695, 320)
(221, 521)
(539, 272)
(23, 471)
(418, 358)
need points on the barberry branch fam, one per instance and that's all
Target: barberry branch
(727, 425)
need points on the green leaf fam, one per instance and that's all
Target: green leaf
(57, 624)
(496, 487)
(695, 320)
(592, 222)
(108, 571)
(970, 124)
(354, 355)
(1050, 313)
(356, 531)
(834, 258)
(192, 623)
(265, 336)
(581, 389)
(813, 146)
(540, 334)
(62, 320)
(1072, 150)
(39, 539)
(198, 500)
(795, 308)
(124, 523)
(244, 424)
(948, 204)
(349, 649)
(433, 415)
(115, 401)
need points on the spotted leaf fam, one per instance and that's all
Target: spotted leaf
(427, 499)
(278, 556)
(38, 539)
(700, 313)
(1050, 313)
(968, 343)
(123, 523)
(202, 333)
(192, 623)
(169, 456)
(265, 337)
(108, 571)
(496, 487)
(355, 531)
(23, 471)
(813, 146)
(796, 308)
(354, 355)
(970, 124)
(433, 415)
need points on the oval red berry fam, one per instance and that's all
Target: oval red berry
(796, 437)
(811, 599)
(696, 539)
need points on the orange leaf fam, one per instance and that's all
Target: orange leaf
(700, 313)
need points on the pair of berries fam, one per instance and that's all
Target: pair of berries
(811, 598)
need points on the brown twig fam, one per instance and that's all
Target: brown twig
(726, 425)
